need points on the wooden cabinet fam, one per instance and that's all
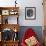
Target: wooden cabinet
(6, 12)
(7, 25)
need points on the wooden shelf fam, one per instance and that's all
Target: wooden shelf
(4, 13)
(9, 43)
(11, 26)
(9, 8)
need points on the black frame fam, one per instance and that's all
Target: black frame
(29, 18)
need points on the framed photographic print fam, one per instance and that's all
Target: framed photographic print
(30, 13)
(5, 12)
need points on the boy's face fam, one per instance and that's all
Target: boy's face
(31, 41)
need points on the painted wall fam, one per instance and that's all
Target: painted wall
(26, 3)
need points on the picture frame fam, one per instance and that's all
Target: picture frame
(5, 12)
(30, 13)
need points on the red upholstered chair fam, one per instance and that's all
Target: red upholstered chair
(29, 33)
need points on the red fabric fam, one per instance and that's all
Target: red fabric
(28, 33)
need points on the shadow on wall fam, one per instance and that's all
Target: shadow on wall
(37, 29)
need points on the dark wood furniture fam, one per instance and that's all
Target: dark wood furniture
(4, 13)
(0, 43)
(10, 43)
(8, 11)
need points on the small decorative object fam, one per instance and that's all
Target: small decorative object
(5, 12)
(15, 3)
(15, 34)
(30, 13)
(13, 12)
(15, 30)
(6, 21)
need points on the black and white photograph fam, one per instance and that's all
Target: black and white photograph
(30, 13)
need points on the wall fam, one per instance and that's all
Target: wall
(27, 3)
(39, 12)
